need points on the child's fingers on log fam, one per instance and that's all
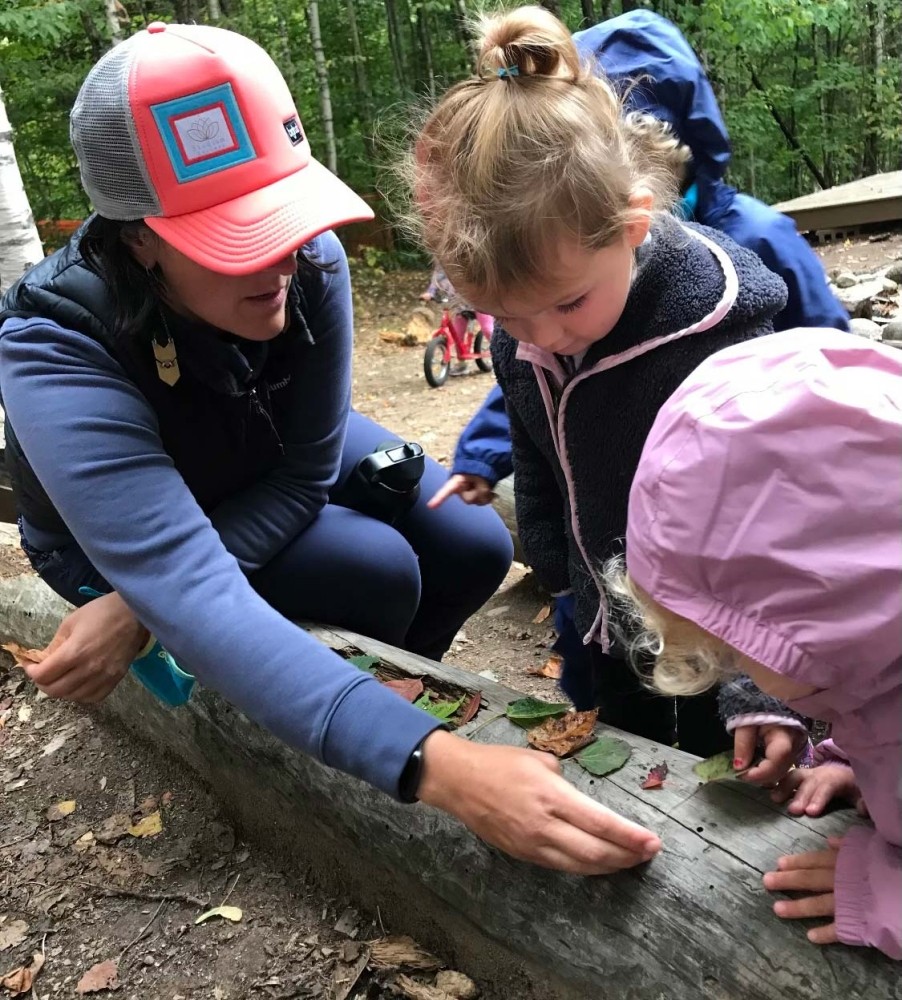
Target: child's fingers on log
(801, 880)
(825, 934)
(810, 859)
(823, 905)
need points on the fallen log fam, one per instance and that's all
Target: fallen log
(695, 924)
(504, 504)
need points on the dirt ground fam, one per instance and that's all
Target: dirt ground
(110, 853)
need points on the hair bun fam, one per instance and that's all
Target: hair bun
(530, 38)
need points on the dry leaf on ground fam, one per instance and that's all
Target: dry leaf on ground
(60, 809)
(113, 828)
(12, 934)
(23, 656)
(19, 981)
(456, 985)
(103, 976)
(542, 615)
(656, 776)
(564, 736)
(413, 990)
(553, 667)
(232, 913)
(410, 688)
(401, 951)
(149, 826)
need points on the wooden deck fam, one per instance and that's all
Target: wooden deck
(871, 200)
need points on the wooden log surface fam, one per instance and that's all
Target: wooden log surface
(694, 924)
(504, 504)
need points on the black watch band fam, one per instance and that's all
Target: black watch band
(409, 783)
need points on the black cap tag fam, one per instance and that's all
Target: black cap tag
(293, 130)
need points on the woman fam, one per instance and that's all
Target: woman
(177, 384)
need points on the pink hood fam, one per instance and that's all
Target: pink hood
(767, 506)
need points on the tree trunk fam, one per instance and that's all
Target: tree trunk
(553, 5)
(588, 8)
(116, 16)
(20, 245)
(874, 49)
(394, 43)
(426, 49)
(462, 23)
(322, 76)
(92, 33)
(214, 10)
(363, 80)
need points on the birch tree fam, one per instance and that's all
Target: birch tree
(322, 78)
(20, 245)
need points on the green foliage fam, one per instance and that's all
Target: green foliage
(717, 768)
(831, 71)
(529, 712)
(440, 709)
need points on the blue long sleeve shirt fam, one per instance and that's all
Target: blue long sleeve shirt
(93, 440)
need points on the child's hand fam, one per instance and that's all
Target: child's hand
(471, 489)
(812, 788)
(813, 873)
(782, 746)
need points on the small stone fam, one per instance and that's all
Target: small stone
(866, 328)
(495, 612)
(890, 286)
(893, 329)
(894, 272)
(845, 279)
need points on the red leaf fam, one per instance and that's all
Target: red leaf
(470, 709)
(410, 688)
(656, 776)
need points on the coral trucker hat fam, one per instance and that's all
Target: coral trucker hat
(193, 129)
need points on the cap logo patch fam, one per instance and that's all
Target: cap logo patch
(203, 133)
(293, 129)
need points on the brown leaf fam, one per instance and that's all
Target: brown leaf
(656, 776)
(565, 735)
(542, 615)
(470, 709)
(553, 667)
(149, 826)
(401, 950)
(113, 828)
(23, 656)
(410, 688)
(59, 810)
(103, 976)
(12, 934)
(19, 981)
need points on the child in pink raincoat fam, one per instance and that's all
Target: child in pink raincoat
(765, 536)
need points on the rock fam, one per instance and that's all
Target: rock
(893, 329)
(889, 285)
(894, 272)
(845, 279)
(858, 299)
(866, 328)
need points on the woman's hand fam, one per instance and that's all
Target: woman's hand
(812, 788)
(471, 489)
(91, 651)
(518, 801)
(782, 746)
(814, 874)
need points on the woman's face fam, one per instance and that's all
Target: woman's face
(252, 306)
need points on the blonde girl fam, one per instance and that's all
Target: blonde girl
(547, 208)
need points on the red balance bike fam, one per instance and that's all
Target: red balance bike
(473, 345)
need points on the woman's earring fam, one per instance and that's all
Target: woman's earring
(166, 358)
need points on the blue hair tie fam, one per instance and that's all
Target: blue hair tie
(508, 71)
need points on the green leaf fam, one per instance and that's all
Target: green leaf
(717, 768)
(606, 755)
(439, 709)
(367, 663)
(528, 712)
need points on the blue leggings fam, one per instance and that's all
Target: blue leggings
(412, 584)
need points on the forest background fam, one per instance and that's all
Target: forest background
(810, 89)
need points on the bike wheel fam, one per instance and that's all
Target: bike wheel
(437, 362)
(480, 344)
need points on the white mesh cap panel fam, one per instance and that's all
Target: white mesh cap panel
(102, 132)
